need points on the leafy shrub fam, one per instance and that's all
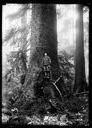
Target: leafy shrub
(67, 70)
(74, 105)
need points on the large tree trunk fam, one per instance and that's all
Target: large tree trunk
(43, 39)
(80, 80)
(44, 36)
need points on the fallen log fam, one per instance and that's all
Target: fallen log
(58, 79)
(58, 91)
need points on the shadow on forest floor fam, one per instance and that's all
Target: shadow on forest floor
(74, 114)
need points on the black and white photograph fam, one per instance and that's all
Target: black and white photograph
(45, 64)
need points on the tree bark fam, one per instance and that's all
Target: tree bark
(43, 40)
(24, 36)
(44, 36)
(80, 79)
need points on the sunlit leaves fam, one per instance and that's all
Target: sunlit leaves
(12, 33)
(20, 13)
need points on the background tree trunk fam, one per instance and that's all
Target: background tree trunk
(24, 39)
(80, 79)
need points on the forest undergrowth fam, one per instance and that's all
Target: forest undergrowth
(37, 110)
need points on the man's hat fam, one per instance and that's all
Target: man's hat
(45, 54)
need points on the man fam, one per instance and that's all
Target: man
(46, 65)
